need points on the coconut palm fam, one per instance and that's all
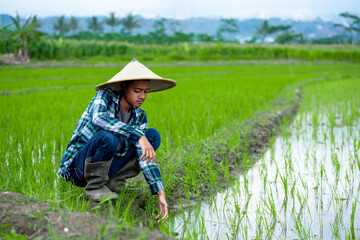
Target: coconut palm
(227, 26)
(264, 30)
(112, 21)
(73, 24)
(94, 25)
(61, 25)
(174, 26)
(129, 24)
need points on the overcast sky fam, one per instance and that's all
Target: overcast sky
(240, 9)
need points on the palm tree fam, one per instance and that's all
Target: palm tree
(227, 25)
(112, 21)
(24, 34)
(94, 25)
(265, 29)
(351, 27)
(61, 26)
(73, 24)
(174, 26)
(129, 24)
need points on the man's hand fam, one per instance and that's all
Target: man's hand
(163, 206)
(147, 150)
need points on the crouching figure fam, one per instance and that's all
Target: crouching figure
(112, 141)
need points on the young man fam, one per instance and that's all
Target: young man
(112, 141)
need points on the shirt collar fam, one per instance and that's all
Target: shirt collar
(115, 96)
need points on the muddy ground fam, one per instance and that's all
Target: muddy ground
(20, 216)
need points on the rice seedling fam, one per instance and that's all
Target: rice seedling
(321, 206)
(41, 107)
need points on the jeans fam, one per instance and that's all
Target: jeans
(102, 147)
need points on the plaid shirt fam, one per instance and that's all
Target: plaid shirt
(103, 113)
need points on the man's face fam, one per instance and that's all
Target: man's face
(137, 92)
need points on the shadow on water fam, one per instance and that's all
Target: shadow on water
(305, 186)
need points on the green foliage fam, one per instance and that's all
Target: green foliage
(351, 27)
(83, 49)
(289, 37)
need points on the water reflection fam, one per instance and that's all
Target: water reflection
(305, 186)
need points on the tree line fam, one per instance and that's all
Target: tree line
(26, 32)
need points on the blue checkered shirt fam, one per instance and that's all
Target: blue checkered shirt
(103, 113)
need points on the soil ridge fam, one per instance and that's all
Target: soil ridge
(22, 218)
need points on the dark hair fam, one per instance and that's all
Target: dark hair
(124, 85)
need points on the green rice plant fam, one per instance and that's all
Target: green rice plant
(270, 205)
(284, 181)
(299, 229)
(259, 222)
(352, 220)
(336, 163)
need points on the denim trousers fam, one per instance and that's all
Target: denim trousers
(102, 147)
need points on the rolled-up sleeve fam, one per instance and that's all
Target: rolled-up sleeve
(152, 176)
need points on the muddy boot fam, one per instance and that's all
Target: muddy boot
(96, 175)
(117, 182)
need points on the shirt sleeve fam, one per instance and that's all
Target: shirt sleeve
(100, 117)
(151, 171)
(152, 176)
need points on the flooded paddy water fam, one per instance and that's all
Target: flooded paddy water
(305, 186)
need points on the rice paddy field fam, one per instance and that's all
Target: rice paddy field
(305, 185)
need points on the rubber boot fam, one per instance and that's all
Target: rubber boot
(96, 175)
(117, 182)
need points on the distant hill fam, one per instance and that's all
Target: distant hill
(310, 29)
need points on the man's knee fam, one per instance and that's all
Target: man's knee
(154, 137)
(109, 140)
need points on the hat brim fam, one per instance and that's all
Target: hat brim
(156, 84)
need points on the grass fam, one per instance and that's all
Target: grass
(43, 105)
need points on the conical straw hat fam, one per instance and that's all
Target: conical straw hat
(134, 70)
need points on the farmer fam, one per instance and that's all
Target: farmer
(112, 141)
